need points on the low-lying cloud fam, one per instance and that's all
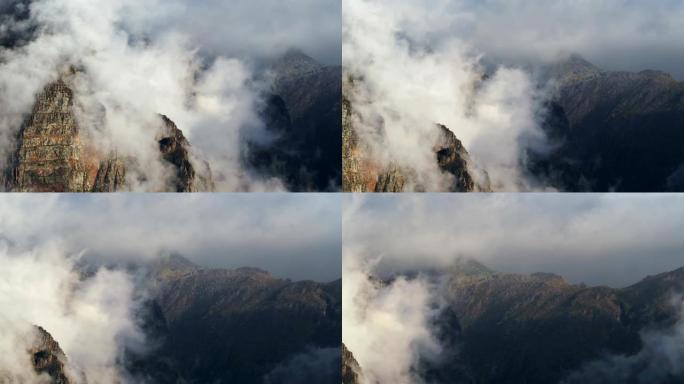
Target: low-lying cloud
(405, 81)
(92, 319)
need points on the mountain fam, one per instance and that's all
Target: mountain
(53, 154)
(303, 111)
(225, 326)
(613, 131)
(48, 358)
(350, 367)
(539, 328)
(362, 173)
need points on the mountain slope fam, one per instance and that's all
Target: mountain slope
(538, 328)
(617, 131)
(228, 326)
(304, 113)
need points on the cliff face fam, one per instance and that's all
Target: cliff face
(48, 358)
(350, 367)
(50, 155)
(54, 155)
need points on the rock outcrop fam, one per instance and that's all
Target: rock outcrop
(55, 155)
(48, 358)
(351, 371)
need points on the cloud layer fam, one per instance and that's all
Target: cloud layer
(615, 34)
(623, 237)
(292, 236)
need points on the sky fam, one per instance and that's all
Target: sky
(613, 240)
(288, 235)
(628, 35)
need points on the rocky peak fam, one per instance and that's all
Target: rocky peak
(54, 155)
(574, 69)
(350, 367)
(453, 158)
(295, 63)
(174, 149)
(464, 266)
(47, 357)
(50, 154)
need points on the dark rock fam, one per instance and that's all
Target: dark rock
(351, 371)
(48, 358)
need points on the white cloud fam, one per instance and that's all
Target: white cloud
(411, 81)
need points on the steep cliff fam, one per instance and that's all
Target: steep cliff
(351, 371)
(48, 358)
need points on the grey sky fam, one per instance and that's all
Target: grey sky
(255, 29)
(614, 34)
(289, 235)
(613, 240)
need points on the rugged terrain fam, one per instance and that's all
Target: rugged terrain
(508, 328)
(226, 326)
(614, 131)
(304, 113)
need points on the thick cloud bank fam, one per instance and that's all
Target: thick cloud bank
(124, 76)
(623, 237)
(405, 81)
(291, 236)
